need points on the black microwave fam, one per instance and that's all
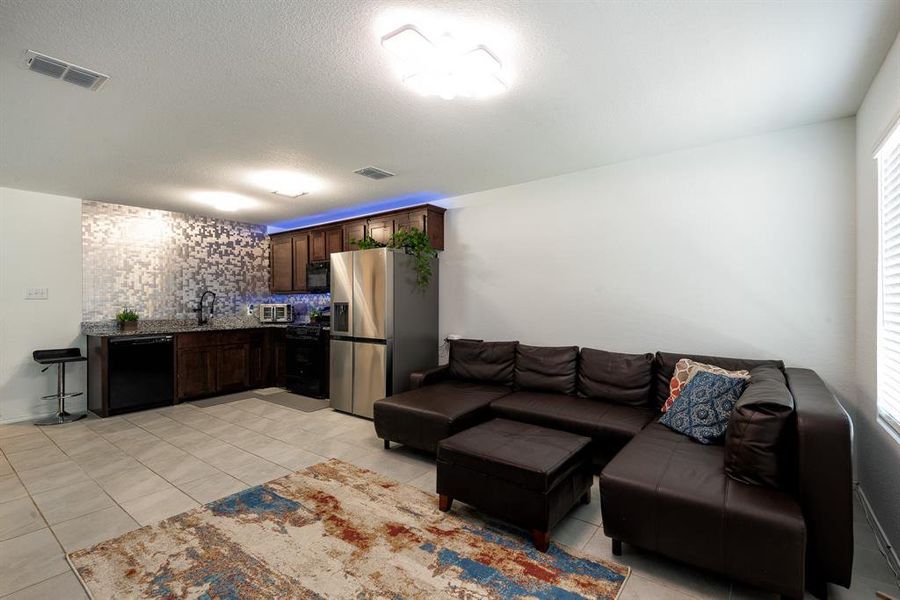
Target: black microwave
(318, 277)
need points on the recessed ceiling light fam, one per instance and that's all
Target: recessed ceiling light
(226, 201)
(290, 184)
(444, 67)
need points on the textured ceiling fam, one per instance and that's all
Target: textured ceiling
(202, 93)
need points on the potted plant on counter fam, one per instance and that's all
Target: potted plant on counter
(127, 319)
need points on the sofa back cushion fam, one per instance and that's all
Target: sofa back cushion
(546, 368)
(617, 377)
(756, 449)
(488, 362)
(665, 367)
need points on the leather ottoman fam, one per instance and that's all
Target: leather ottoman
(528, 475)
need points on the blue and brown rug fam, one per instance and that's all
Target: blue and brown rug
(334, 530)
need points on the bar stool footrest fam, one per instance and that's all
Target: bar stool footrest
(60, 418)
(63, 396)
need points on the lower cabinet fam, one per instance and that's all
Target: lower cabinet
(233, 368)
(196, 372)
(214, 362)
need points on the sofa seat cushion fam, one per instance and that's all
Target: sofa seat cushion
(610, 424)
(531, 457)
(668, 494)
(422, 417)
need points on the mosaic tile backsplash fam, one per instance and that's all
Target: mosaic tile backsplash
(158, 262)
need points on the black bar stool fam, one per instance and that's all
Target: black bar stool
(59, 358)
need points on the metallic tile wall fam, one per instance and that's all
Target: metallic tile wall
(158, 262)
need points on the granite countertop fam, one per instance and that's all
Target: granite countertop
(157, 326)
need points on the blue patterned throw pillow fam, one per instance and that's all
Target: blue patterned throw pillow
(702, 410)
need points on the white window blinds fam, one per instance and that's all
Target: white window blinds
(888, 160)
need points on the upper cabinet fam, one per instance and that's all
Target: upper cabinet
(334, 240)
(317, 249)
(353, 232)
(380, 228)
(292, 251)
(282, 267)
(301, 244)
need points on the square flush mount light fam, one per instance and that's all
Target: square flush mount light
(289, 184)
(444, 67)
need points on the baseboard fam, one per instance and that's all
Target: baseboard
(883, 543)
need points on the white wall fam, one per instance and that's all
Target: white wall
(744, 248)
(878, 454)
(40, 246)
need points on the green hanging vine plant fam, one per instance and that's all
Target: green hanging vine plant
(415, 243)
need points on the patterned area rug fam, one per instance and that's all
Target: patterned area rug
(334, 530)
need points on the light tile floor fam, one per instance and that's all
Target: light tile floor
(68, 487)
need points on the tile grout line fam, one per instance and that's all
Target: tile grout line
(49, 528)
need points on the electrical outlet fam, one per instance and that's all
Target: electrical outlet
(37, 293)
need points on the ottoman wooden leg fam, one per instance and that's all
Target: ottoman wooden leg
(445, 502)
(617, 547)
(586, 499)
(387, 444)
(541, 539)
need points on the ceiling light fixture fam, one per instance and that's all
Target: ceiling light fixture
(290, 184)
(444, 67)
(225, 201)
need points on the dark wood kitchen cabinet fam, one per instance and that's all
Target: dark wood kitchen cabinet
(301, 245)
(233, 368)
(318, 249)
(221, 362)
(380, 228)
(334, 241)
(292, 251)
(354, 231)
(196, 372)
(282, 266)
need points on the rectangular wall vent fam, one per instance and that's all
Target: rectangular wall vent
(60, 69)
(373, 173)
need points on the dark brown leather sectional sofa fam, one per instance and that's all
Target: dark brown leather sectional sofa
(771, 507)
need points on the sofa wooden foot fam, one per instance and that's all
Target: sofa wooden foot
(541, 539)
(444, 502)
(586, 499)
(387, 444)
(617, 547)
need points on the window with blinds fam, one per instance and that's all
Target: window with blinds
(888, 161)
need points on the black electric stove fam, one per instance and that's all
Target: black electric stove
(307, 359)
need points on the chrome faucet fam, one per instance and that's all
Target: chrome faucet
(201, 319)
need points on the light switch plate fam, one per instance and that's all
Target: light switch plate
(36, 293)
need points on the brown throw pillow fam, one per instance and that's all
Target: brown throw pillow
(755, 451)
(490, 362)
(617, 377)
(545, 368)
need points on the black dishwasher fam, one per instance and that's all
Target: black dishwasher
(141, 372)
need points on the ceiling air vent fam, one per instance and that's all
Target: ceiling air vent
(373, 173)
(60, 69)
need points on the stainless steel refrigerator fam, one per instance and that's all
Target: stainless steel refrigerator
(382, 327)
